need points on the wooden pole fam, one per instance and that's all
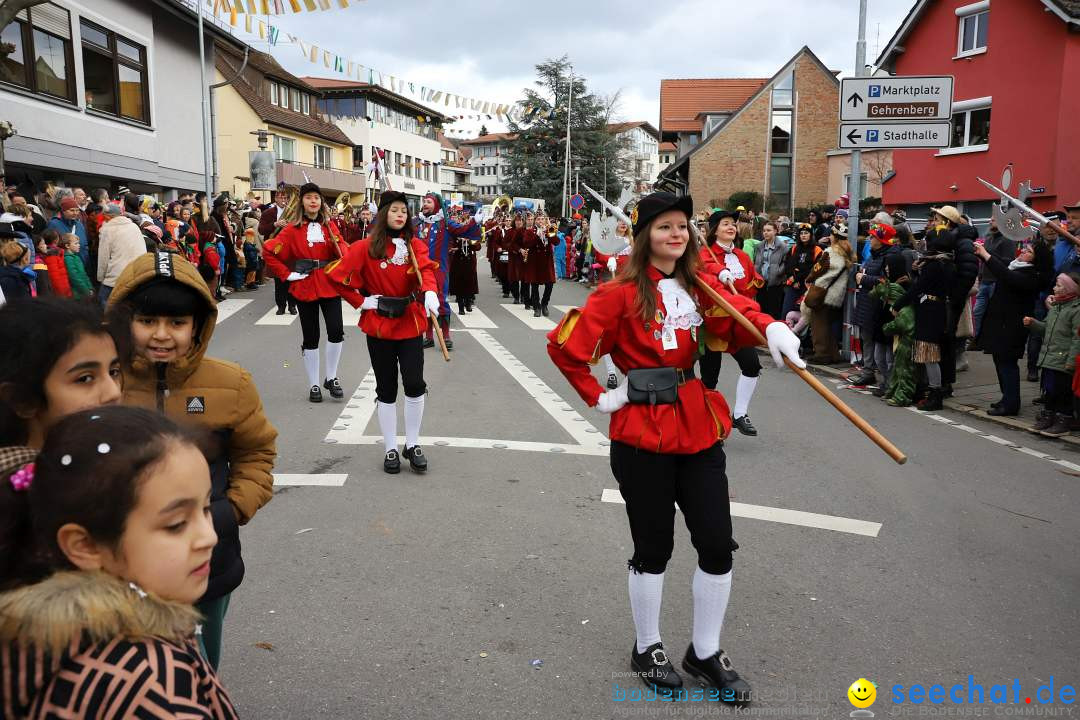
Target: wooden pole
(434, 318)
(880, 440)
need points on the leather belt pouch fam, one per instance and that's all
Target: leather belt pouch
(393, 307)
(305, 267)
(652, 386)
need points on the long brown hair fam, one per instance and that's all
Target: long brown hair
(380, 231)
(636, 270)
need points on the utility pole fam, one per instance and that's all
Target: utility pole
(204, 94)
(566, 155)
(854, 184)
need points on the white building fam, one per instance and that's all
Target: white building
(669, 151)
(489, 164)
(639, 157)
(455, 174)
(374, 117)
(106, 93)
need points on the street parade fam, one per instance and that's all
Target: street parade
(423, 388)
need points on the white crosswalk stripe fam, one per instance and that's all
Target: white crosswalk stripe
(475, 319)
(526, 316)
(272, 318)
(227, 307)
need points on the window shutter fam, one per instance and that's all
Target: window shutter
(52, 19)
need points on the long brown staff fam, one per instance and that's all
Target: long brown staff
(880, 440)
(434, 318)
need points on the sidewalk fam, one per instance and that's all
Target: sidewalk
(976, 388)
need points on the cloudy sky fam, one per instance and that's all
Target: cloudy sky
(488, 50)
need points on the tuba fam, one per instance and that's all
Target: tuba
(343, 207)
(292, 212)
(503, 203)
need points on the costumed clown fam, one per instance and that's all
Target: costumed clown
(434, 229)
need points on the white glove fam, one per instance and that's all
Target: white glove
(611, 265)
(783, 344)
(725, 277)
(294, 276)
(371, 302)
(612, 400)
(431, 302)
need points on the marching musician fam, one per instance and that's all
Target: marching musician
(271, 222)
(499, 243)
(734, 269)
(490, 225)
(378, 275)
(667, 429)
(435, 230)
(540, 241)
(463, 249)
(299, 254)
(515, 270)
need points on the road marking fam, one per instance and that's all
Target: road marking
(348, 429)
(227, 307)
(785, 516)
(350, 316)
(967, 429)
(1066, 464)
(326, 480)
(565, 308)
(526, 316)
(478, 444)
(272, 318)
(475, 319)
(1033, 453)
(999, 441)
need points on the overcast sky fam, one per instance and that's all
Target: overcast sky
(488, 50)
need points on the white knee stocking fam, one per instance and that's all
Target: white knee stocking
(744, 391)
(414, 413)
(311, 365)
(333, 356)
(711, 593)
(646, 594)
(609, 364)
(388, 424)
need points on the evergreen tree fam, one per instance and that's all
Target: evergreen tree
(535, 158)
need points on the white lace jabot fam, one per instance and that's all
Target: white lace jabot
(680, 310)
(731, 262)
(401, 252)
(314, 233)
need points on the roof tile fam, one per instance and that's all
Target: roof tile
(682, 100)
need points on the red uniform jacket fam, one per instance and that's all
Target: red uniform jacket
(748, 284)
(513, 244)
(358, 275)
(291, 245)
(540, 268)
(608, 324)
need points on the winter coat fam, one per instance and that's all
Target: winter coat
(1002, 331)
(119, 242)
(798, 262)
(81, 287)
(771, 268)
(14, 283)
(1000, 247)
(1061, 343)
(84, 644)
(218, 395)
(867, 309)
(58, 274)
(965, 260)
(73, 227)
(929, 295)
(830, 272)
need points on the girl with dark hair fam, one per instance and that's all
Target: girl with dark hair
(71, 364)
(105, 543)
(735, 269)
(378, 276)
(667, 429)
(299, 254)
(540, 269)
(797, 265)
(515, 272)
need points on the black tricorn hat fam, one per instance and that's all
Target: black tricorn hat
(392, 196)
(719, 215)
(659, 202)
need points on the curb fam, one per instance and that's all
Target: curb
(1013, 423)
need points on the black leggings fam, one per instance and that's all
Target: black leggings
(747, 357)
(309, 321)
(386, 356)
(534, 289)
(651, 484)
(281, 294)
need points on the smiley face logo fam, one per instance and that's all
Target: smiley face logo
(862, 693)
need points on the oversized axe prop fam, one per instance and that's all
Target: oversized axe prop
(1032, 213)
(854, 418)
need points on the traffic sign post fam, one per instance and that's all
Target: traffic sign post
(892, 99)
(879, 136)
(577, 202)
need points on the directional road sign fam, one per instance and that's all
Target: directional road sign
(896, 99)
(891, 136)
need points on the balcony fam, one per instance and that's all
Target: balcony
(331, 181)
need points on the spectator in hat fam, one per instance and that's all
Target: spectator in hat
(68, 220)
(120, 242)
(870, 315)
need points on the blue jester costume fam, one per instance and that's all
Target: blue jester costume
(435, 230)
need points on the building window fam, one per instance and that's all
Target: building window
(782, 91)
(781, 132)
(307, 104)
(398, 164)
(273, 93)
(974, 25)
(862, 184)
(285, 149)
(41, 56)
(780, 183)
(114, 73)
(358, 156)
(409, 167)
(295, 95)
(971, 125)
(323, 157)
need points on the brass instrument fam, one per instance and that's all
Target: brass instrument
(503, 203)
(343, 206)
(293, 210)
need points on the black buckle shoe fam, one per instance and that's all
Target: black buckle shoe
(536, 311)
(391, 463)
(654, 668)
(335, 388)
(293, 310)
(449, 344)
(544, 311)
(429, 343)
(744, 425)
(280, 311)
(315, 395)
(416, 458)
(612, 381)
(718, 672)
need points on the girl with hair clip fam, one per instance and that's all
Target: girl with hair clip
(735, 269)
(299, 255)
(105, 543)
(667, 429)
(378, 275)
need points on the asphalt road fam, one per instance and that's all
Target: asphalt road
(433, 596)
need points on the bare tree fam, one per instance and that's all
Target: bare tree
(878, 166)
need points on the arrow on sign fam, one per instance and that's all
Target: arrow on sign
(855, 99)
(853, 136)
